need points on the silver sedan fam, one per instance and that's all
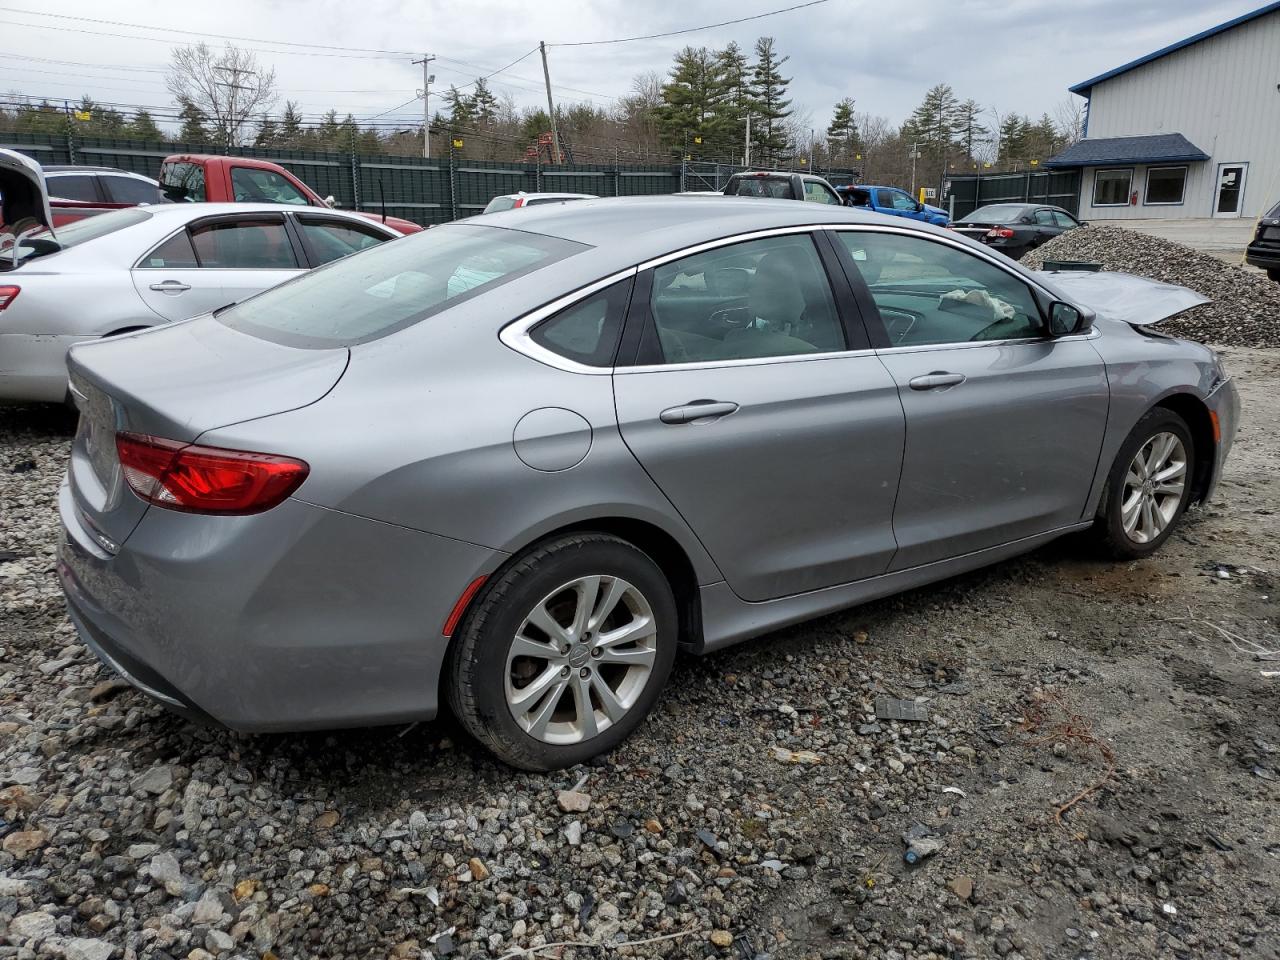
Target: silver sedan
(515, 462)
(135, 268)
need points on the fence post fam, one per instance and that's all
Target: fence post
(1026, 187)
(617, 172)
(684, 166)
(355, 171)
(453, 185)
(537, 172)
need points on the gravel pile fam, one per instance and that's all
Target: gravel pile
(1246, 306)
(760, 813)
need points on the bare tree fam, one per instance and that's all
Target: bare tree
(228, 86)
(1069, 117)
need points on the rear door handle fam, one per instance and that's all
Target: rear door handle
(171, 286)
(696, 410)
(936, 380)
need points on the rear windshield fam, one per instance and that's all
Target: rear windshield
(998, 213)
(77, 232)
(1275, 212)
(393, 285)
(777, 187)
(498, 204)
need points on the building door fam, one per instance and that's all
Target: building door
(1230, 199)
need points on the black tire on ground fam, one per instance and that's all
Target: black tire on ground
(1109, 527)
(1273, 273)
(476, 670)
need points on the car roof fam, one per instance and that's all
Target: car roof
(634, 229)
(72, 168)
(523, 193)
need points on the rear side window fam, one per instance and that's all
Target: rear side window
(130, 190)
(244, 245)
(1045, 218)
(183, 182)
(587, 332)
(72, 187)
(175, 253)
(394, 285)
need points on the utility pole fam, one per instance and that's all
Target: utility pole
(233, 120)
(915, 152)
(427, 77)
(746, 146)
(551, 106)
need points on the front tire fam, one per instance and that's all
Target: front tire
(1149, 486)
(564, 653)
(1273, 273)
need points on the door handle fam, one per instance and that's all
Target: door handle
(696, 410)
(936, 380)
(170, 286)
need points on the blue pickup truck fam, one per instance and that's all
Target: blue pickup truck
(893, 202)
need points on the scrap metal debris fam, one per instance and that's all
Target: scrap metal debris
(891, 708)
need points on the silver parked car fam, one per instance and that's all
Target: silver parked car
(516, 461)
(130, 269)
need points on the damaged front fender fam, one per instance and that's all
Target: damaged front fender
(1122, 296)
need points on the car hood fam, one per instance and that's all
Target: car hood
(937, 211)
(1122, 296)
(25, 201)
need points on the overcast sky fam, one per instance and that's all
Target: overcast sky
(1015, 55)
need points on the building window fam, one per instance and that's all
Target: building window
(1111, 188)
(1166, 184)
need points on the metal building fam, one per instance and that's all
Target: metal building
(1191, 130)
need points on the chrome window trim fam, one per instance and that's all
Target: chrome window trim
(516, 335)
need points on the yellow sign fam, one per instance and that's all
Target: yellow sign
(457, 143)
(697, 139)
(1035, 163)
(83, 115)
(858, 156)
(803, 161)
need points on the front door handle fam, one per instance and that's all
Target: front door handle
(936, 380)
(696, 410)
(171, 286)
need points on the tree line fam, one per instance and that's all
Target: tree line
(725, 105)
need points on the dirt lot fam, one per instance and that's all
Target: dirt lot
(130, 833)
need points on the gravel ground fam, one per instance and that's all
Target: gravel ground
(1246, 305)
(760, 812)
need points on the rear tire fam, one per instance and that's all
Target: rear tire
(1149, 486)
(1274, 274)
(564, 652)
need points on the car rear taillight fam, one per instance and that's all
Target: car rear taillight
(195, 479)
(519, 202)
(1003, 233)
(8, 295)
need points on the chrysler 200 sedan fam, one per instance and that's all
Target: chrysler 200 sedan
(513, 463)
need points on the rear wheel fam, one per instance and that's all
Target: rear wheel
(564, 652)
(1149, 486)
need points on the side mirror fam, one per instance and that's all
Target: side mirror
(1066, 319)
(919, 207)
(329, 201)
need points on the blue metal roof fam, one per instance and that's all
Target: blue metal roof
(1156, 148)
(1084, 87)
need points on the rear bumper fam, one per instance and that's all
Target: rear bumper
(1224, 403)
(298, 618)
(33, 367)
(1263, 256)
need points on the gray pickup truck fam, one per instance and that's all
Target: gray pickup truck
(782, 186)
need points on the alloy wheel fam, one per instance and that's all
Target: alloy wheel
(1154, 487)
(581, 659)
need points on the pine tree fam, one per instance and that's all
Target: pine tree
(934, 124)
(143, 127)
(690, 97)
(193, 123)
(461, 109)
(1043, 139)
(328, 136)
(970, 131)
(484, 105)
(268, 133)
(291, 133)
(727, 125)
(1015, 131)
(769, 103)
(842, 133)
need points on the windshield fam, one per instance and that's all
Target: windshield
(393, 285)
(75, 233)
(997, 213)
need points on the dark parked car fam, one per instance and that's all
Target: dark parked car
(1015, 228)
(782, 186)
(79, 192)
(1264, 251)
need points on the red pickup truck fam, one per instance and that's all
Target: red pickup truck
(199, 178)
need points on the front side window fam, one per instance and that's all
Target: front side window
(331, 240)
(929, 292)
(394, 285)
(587, 332)
(264, 186)
(1111, 188)
(130, 190)
(1064, 220)
(74, 186)
(1166, 184)
(183, 182)
(902, 202)
(816, 192)
(761, 298)
(244, 245)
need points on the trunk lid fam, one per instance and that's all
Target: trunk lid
(25, 202)
(176, 382)
(1136, 301)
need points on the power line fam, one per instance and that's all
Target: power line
(676, 33)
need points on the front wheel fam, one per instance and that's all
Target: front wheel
(1149, 486)
(564, 652)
